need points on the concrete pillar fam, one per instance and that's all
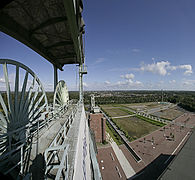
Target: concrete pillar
(55, 76)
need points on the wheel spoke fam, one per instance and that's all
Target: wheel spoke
(36, 105)
(16, 88)
(25, 107)
(2, 118)
(10, 105)
(22, 102)
(3, 105)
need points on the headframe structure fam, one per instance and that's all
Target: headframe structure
(54, 29)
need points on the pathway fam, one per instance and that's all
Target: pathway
(127, 168)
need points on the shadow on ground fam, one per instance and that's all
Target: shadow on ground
(154, 169)
(37, 169)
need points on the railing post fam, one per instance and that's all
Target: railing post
(21, 160)
(55, 76)
(37, 150)
(80, 83)
(9, 147)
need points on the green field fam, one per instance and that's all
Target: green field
(113, 134)
(114, 111)
(135, 126)
(169, 114)
(143, 106)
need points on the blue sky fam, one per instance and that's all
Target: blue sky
(130, 44)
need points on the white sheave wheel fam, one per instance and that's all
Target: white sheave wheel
(61, 97)
(22, 100)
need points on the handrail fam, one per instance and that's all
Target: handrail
(95, 166)
(58, 144)
(34, 130)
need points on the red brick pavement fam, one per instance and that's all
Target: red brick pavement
(162, 142)
(109, 166)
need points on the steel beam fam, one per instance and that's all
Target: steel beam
(12, 28)
(55, 76)
(73, 25)
(48, 23)
(80, 83)
(58, 44)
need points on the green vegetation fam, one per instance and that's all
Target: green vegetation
(119, 112)
(134, 127)
(113, 112)
(113, 134)
(157, 123)
(169, 114)
(127, 111)
(185, 99)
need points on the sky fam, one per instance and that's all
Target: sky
(130, 45)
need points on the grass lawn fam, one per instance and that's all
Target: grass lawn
(114, 112)
(108, 106)
(113, 134)
(143, 106)
(135, 127)
(170, 114)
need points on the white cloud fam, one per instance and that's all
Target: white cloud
(85, 85)
(128, 82)
(2, 80)
(156, 68)
(99, 60)
(172, 81)
(128, 76)
(11, 78)
(49, 87)
(188, 82)
(188, 69)
(135, 50)
(138, 83)
(163, 67)
(107, 82)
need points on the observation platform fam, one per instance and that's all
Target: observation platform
(58, 148)
(48, 133)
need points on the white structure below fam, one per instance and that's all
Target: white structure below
(82, 169)
(127, 168)
(96, 109)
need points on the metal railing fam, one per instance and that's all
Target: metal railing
(95, 167)
(17, 151)
(56, 155)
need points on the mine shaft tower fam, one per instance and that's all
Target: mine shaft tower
(54, 29)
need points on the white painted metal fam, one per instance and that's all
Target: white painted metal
(61, 97)
(59, 148)
(19, 109)
(82, 70)
(80, 83)
(82, 166)
(92, 100)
